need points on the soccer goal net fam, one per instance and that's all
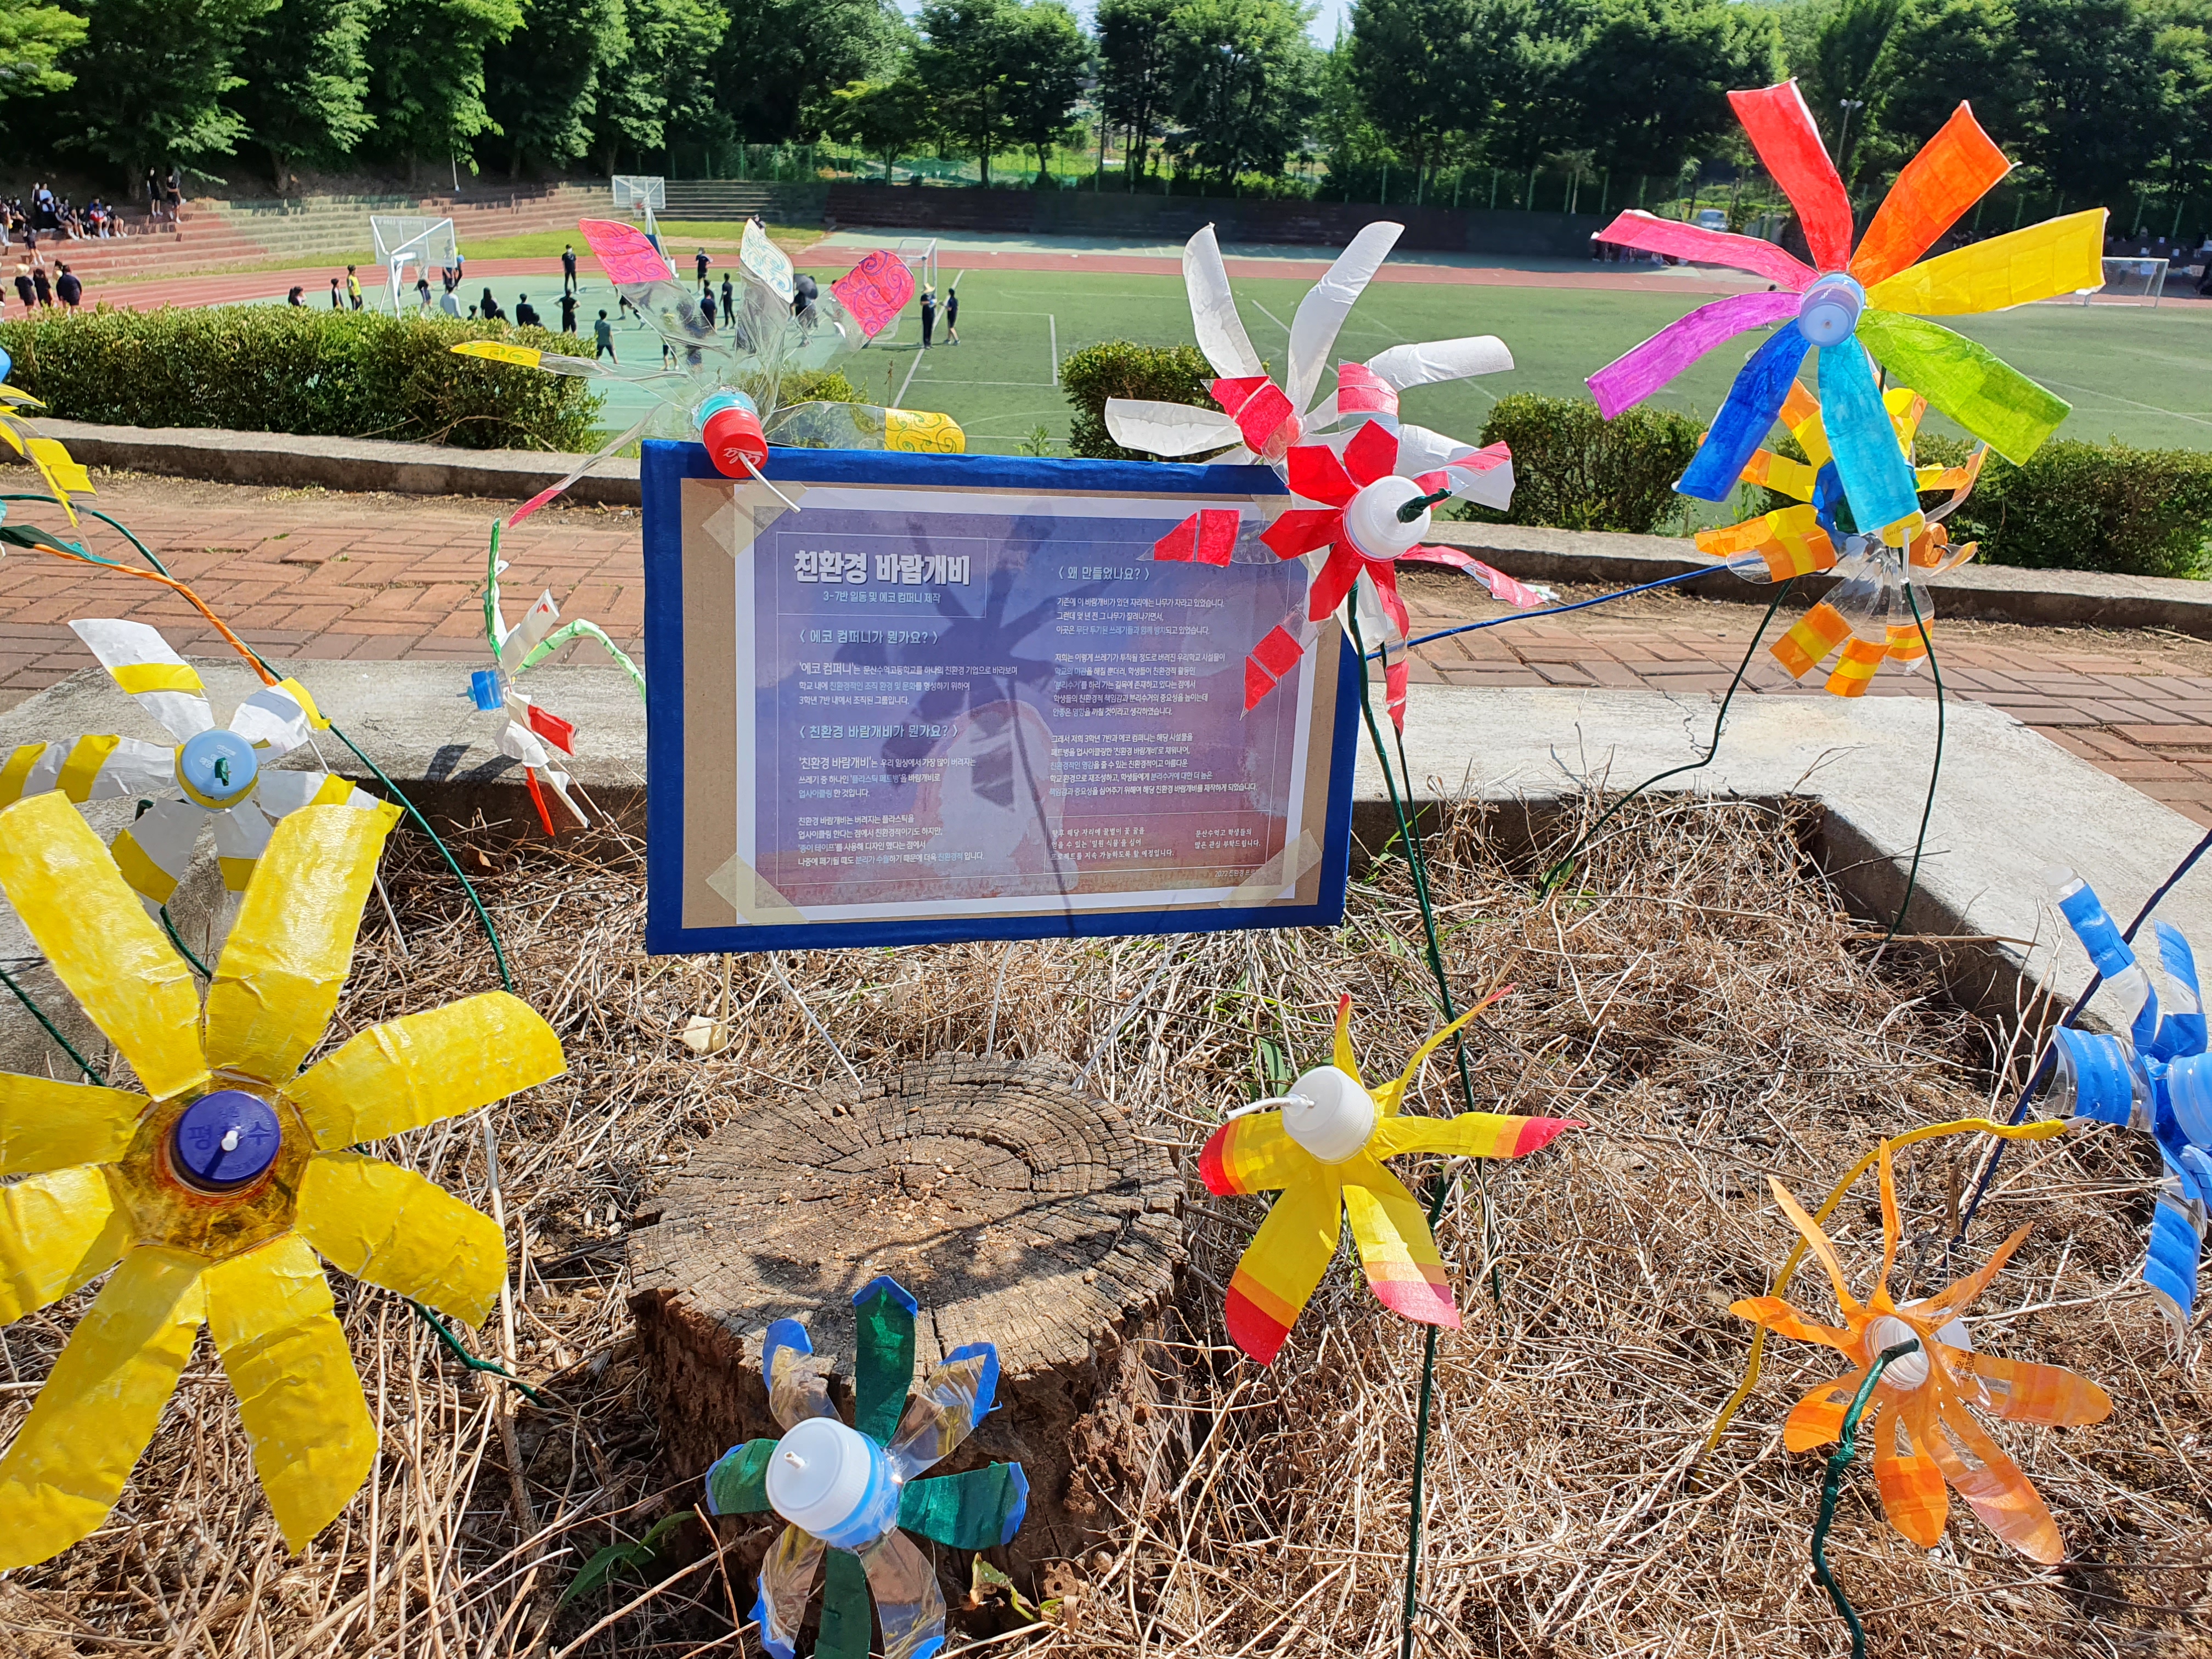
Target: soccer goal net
(411, 244)
(2134, 279)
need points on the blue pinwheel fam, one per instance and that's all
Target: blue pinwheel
(2159, 1078)
(850, 1492)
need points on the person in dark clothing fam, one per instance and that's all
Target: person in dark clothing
(38, 282)
(568, 269)
(603, 339)
(337, 302)
(804, 294)
(526, 315)
(567, 313)
(67, 286)
(23, 289)
(707, 307)
(952, 316)
(703, 261)
(729, 296)
(422, 293)
(294, 299)
(928, 315)
(487, 308)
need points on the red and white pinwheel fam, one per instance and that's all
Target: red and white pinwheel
(1374, 505)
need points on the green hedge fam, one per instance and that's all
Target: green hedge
(1121, 368)
(1574, 469)
(2088, 506)
(283, 368)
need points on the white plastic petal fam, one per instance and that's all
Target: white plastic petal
(908, 1601)
(123, 647)
(1167, 428)
(1322, 312)
(1421, 450)
(1432, 360)
(271, 718)
(135, 768)
(1213, 316)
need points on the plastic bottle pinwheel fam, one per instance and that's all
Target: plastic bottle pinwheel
(2158, 1080)
(725, 387)
(530, 732)
(61, 475)
(211, 775)
(1870, 614)
(211, 1192)
(1324, 1151)
(1923, 1430)
(850, 1492)
(1854, 304)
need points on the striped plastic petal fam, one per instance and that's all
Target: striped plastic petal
(977, 1510)
(1967, 381)
(1257, 405)
(1905, 1471)
(1817, 1242)
(1818, 1419)
(46, 1125)
(1395, 1248)
(277, 983)
(786, 1585)
(1994, 1487)
(280, 794)
(2043, 262)
(144, 665)
(101, 942)
(1397, 679)
(298, 1397)
(736, 1484)
(1634, 375)
(1779, 473)
(2025, 1392)
(389, 1226)
(1471, 1134)
(1778, 1317)
(1953, 171)
(1957, 1299)
(1360, 390)
(1648, 232)
(58, 1229)
(1207, 537)
(2170, 1264)
(156, 850)
(1877, 481)
(1284, 1263)
(945, 1409)
(1753, 401)
(1807, 643)
(422, 1067)
(99, 1406)
(274, 720)
(1334, 582)
(908, 1602)
(241, 836)
(1855, 669)
(797, 1376)
(1385, 578)
(1780, 129)
(1254, 1153)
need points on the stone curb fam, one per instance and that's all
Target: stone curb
(2068, 598)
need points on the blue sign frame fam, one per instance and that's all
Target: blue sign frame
(664, 468)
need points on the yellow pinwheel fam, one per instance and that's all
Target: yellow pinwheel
(62, 475)
(211, 1192)
(1324, 1151)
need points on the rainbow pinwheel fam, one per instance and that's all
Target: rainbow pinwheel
(2158, 1078)
(532, 733)
(1870, 615)
(1923, 1432)
(1854, 304)
(850, 1492)
(211, 1194)
(1324, 1151)
(210, 776)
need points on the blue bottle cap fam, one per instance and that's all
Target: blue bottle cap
(225, 1140)
(216, 768)
(484, 688)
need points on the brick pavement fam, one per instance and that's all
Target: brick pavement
(312, 574)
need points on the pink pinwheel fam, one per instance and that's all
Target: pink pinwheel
(1857, 304)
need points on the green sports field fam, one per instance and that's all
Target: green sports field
(2141, 375)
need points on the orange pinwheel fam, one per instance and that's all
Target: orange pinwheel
(1923, 1432)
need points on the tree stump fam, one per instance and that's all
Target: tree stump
(1016, 1211)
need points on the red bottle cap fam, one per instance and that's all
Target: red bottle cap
(733, 440)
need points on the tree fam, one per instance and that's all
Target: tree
(962, 58)
(428, 78)
(2096, 103)
(1048, 56)
(1417, 66)
(33, 38)
(306, 101)
(1655, 76)
(1851, 58)
(779, 58)
(1943, 53)
(542, 83)
(1134, 38)
(664, 89)
(151, 76)
(1244, 76)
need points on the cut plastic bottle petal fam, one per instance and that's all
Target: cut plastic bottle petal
(847, 1630)
(99, 1406)
(1816, 1241)
(1782, 131)
(1634, 375)
(945, 1409)
(1320, 315)
(1994, 1487)
(908, 1602)
(1396, 1249)
(102, 943)
(1754, 399)
(299, 1397)
(1958, 1297)
(1167, 428)
(58, 1230)
(1432, 362)
(1907, 1474)
(45, 1125)
(1471, 1134)
(883, 1357)
(1953, 171)
(167, 686)
(1373, 453)
(1967, 381)
(786, 1585)
(1877, 480)
(1284, 1262)
(977, 1510)
(736, 1484)
(277, 983)
(1778, 1317)
(2025, 1392)
(421, 1068)
(1252, 1154)
(1652, 234)
(1818, 1419)
(2043, 262)
(1213, 316)
(389, 1226)
(797, 1376)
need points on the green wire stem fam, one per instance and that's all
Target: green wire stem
(1928, 807)
(1846, 1450)
(52, 1031)
(489, 1367)
(183, 948)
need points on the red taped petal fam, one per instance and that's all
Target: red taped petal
(1780, 129)
(1303, 529)
(1372, 454)
(1317, 475)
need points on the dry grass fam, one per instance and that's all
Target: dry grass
(1700, 1004)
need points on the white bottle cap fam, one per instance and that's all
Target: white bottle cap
(1371, 521)
(1329, 1114)
(818, 1473)
(1908, 1371)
